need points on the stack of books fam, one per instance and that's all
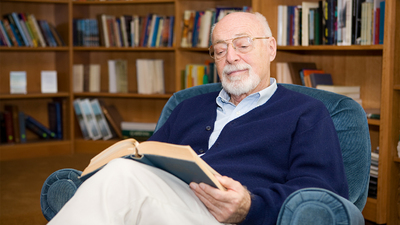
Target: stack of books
(349, 91)
(373, 181)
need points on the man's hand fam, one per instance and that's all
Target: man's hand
(230, 206)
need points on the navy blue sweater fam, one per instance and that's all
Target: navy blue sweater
(286, 144)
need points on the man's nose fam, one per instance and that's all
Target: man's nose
(231, 55)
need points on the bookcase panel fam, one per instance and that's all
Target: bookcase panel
(33, 62)
(101, 57)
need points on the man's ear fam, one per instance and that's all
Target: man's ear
(272, 48)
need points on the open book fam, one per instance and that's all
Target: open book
(179, 160)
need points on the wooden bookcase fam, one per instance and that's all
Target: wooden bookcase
(375, 68)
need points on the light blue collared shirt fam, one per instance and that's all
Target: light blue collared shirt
(227, 111)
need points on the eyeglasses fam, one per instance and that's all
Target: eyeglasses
(241, 45)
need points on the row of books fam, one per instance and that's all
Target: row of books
(22, 29)
(48, 82)
(331, 22)
(149, 74)
(15, 124)
(307, 74)
(151, 30)
(98, 120)
(373, 181)
(197, 24)
(198, 74)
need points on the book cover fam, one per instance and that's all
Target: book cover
(94, 78)
(381, 22)
(81, 120)
(113, 117)
(9, 128)
(18, 82)
(320, 79)
(77, 79)
(48, 81)
(37, 127)
(89, 119)
(100, 119)
(22, 127)
(54, 110)
(13, 110)
(179, 160)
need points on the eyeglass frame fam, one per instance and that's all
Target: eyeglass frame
(233, 39)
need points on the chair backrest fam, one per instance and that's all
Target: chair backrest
(350, 122)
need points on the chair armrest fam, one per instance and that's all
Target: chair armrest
(318, 206)
(58, 188)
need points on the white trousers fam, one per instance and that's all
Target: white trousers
(128, 192)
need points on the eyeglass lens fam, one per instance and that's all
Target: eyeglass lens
(241, 45)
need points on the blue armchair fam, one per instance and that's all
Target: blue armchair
(305, 206)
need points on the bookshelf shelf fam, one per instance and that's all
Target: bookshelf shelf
(34, 95)
(40, 1)
(125, 49)
(374, 122)
(35, 49)
(40, 148)
(332, 48)
(124, 95)
(121, 2)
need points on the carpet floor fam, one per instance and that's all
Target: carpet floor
(21, 182)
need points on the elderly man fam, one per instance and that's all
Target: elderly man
(265, 141)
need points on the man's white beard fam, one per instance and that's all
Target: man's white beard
(238, 85)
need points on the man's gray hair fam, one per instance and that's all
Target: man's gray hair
(263, 21)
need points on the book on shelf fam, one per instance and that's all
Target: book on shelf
(283, 73)
(86, 77)
(330, 22)
(113, 117)
(77, 77)
(349, 91)
(38, 128)
(320, 79)
(13, 111)
(150, 76)
(22, 29)
(137, 130)
(18, 82)
(55, 112)
(3, 131)
(89, 119)
(295, 69)
(48, 81)
(135, 30)
(381, 22)
(22, 127)
(179, 160)
(118, 76)
(101, 120)
(85, 32)
(9, 128)
(305, 75)
(80, 119)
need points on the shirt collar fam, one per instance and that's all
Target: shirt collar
(263, 95)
